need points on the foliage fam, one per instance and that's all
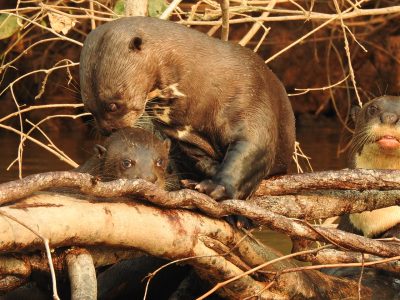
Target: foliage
(9, 25)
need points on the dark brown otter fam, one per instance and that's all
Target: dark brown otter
(130, 153)
(376, 145)
(230, 100)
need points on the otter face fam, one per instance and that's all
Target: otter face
(134, 153)
(147, 165)
(116, 74)
(376, 140)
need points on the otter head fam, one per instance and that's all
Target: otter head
(376, 139)
(116, 73)
(134, 153)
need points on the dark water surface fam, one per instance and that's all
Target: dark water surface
(318, 139)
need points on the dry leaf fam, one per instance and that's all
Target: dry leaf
(8, 25)
(61, 23)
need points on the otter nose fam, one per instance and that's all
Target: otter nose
(389, 118)
(152, 178)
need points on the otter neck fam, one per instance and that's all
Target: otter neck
(375, 222)
(372, 157)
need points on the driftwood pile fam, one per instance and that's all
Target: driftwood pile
(93, 224)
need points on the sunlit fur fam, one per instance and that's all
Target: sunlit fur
(368, 155)
(377, 221)
(371, 156)
(248, 123)
(148, 154)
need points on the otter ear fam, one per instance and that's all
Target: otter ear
(354, 112)
(167, 144)
(136, 43)
(99, 150)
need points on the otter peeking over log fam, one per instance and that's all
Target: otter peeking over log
(133, 153)
(130, 153)
(231, 124)
(376, 145)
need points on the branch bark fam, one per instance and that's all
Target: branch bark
(82, 275)
(171, 234)
(192, 199)
(136, 7)
(346, 179)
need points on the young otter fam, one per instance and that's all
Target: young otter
(233, 122)
(130, 153)
(376, 145)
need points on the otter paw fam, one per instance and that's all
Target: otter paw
(215, 191)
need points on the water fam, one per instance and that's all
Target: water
(36, 159)
(318, 138)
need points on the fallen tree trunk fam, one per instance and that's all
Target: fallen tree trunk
(171, 234)
(346, 179)
(82, 275)
(321, 203)
(217, 251)
(192, 199)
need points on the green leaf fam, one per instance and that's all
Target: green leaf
(156, 7)
(8, 25)
(119, 7)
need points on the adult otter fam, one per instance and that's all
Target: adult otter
(233, 122)
(376, 145)
(130, 153)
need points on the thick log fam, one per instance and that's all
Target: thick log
(191, 199)
(348, 179)
(303, 230)
(82, 275)
(22, 265)
(333, 256)
(171, 234)
(323, 204)
(319, 204)
(69, 221)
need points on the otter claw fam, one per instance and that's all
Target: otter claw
(212, 189)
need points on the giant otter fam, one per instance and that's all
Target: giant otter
(130, 153)
(376, 145)
(232, 123)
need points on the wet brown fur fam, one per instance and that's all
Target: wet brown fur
(147, 154)
(230, 99)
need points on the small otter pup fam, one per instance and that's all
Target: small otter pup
(376, 145)
(130, 153)
(232, 122)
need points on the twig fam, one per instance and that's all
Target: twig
(167, 13)
(312, 16)
(48, 29)
(222, 284)
(305, 91)
(256, 26)
(46, 71)
(309, 33)
(92, 20)
(225, 19)
(47, 247)
(34, 107)
(347, 49)
(61, 157)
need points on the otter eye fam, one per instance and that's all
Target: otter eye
(159, 162)
(112, 107)
(127, 163)
(373, 110)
